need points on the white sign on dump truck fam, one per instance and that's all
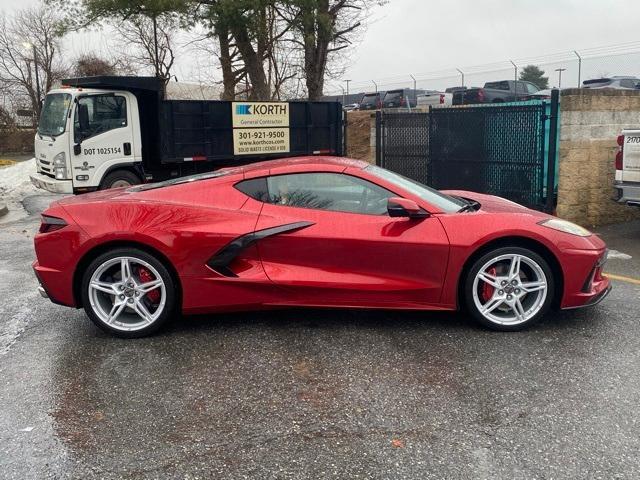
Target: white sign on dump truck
(627, 181)
(106, 132)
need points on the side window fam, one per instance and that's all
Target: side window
(328, 191)
(255, 188)
(531, 88)
(521, 87)
(627, 83)
(96, 114)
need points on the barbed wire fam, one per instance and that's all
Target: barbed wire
(579, 65)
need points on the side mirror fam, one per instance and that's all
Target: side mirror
(403, 207)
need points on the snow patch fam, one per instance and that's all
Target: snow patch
(15, 185)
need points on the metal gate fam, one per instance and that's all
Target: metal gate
(506, 150)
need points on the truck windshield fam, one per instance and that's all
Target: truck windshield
(444, 202)
(53, 119)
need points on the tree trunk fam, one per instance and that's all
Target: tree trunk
(253, 64)
(228, 77)
(317, 37)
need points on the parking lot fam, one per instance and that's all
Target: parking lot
(317, 394)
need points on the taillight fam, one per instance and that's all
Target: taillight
(401, 101)
(481, 95)
(620, 152)
(441, 99)
(51, 224)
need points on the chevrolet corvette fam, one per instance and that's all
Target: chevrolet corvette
(309, 232)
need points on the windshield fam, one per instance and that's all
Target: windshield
(393, 95)
(53, 119)
(444, 202)
(369, 99)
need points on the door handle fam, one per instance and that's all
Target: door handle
(127, 148)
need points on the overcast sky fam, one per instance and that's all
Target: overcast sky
(418, 36)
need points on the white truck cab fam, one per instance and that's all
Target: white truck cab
(627, 180)
(87, 139)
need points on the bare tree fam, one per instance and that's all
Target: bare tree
(323, 30)
(90, 64)
(148, 42)
(30, 40)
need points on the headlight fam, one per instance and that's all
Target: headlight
(60, 166)
(565, 226)
(59, 160)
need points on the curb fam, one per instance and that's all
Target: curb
(3, 210)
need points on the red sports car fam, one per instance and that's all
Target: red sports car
(312, 232)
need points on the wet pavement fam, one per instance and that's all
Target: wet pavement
(317, 394)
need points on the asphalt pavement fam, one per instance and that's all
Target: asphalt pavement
(318, 394)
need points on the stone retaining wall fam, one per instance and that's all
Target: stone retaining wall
(590, 122)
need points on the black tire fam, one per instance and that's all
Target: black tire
(170, 304)
(118, 178)
(480, 262)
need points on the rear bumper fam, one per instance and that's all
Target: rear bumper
(53, 285)
(51, 184)
(627, 193)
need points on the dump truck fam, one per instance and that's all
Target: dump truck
(114, 131)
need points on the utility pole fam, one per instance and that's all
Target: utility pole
(515, 85)
(375, 84)
(579, 66)
(347, 86)
(38, 105)
(414, 83)
(462, 74)
(560, 70)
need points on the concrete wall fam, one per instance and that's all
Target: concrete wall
(590, 122)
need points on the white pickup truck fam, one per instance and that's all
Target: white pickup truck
(627, 181)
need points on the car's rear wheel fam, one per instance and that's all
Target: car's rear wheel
(509, 288)
(128, 292)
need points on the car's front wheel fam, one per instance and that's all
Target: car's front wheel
(128, 292)
(509, 288)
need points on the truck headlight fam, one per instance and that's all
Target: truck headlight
(59, 160)
(60, 166)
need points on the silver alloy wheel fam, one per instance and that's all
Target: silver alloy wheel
(121, 183)
(518, 287)
(120, 299)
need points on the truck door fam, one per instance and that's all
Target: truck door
(102, 137)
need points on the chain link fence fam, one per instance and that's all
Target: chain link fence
(564, 70)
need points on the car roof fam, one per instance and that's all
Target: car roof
(312, 162)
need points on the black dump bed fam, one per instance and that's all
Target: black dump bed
(176, 131)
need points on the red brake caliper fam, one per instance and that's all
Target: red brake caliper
(487, 290)
(146, 276)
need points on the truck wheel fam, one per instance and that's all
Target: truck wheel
(119, 178)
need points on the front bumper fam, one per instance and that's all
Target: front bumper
(594, 286)
(627, 193)
(51, 184)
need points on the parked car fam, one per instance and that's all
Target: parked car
(350, 107)
(401, 98)
(627, 179)
(371, 101)
(434, 98)
(617, 82)
(496, 92)
(308, 232)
